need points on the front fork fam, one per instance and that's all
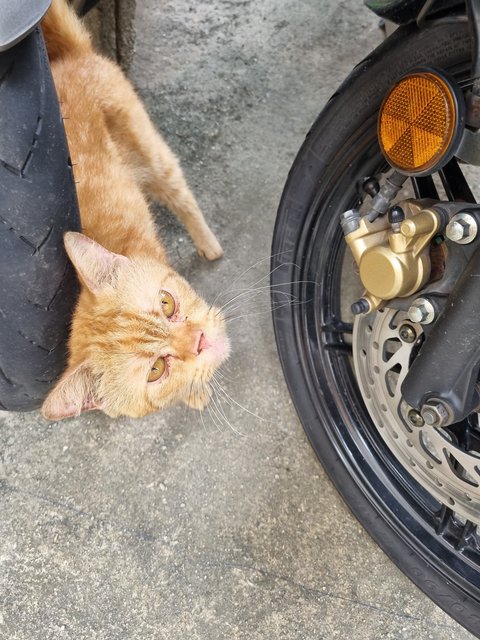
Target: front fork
(442, 380)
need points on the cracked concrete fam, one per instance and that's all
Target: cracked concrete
(173, 526)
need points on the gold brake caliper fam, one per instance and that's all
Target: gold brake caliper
(393, 253)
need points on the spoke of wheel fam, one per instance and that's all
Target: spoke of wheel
(454, 182)
(462, 432)
(424, 187)
(443, 518)
(462, 536)
(467, 537)
(337, 326)
(338, 346)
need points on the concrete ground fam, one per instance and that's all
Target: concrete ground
(167, 527)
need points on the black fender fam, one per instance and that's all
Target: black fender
(19, 18)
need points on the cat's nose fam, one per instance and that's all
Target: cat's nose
(200, 342)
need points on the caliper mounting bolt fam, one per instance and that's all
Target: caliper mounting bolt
(421, 311)
(462, 228)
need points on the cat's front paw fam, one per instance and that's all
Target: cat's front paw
(209, 247)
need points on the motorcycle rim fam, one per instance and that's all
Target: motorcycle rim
(425, 538)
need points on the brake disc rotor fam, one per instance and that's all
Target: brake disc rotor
(382, 359)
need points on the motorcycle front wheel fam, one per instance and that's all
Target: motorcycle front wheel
(427, 526)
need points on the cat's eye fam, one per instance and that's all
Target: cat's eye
(157, 371)
(168, 303)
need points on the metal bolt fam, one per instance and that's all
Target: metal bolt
(435, 414)
(407, 333)
(415, 418)
(422, 311)
(360, 306)
(350, 221)
(462, 228)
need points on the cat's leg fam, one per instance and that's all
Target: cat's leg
(155, 166)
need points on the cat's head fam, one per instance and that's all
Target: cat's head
(141, 338)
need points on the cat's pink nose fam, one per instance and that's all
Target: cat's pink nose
(201, 343)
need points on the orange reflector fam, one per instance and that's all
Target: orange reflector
(417, 121)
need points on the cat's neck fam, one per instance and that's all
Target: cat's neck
(121, 221)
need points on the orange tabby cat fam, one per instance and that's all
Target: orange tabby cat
(140, 338)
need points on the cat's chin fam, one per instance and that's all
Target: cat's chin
(199, 400)
(197, 403)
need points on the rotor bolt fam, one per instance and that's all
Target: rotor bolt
(435, 414)
(407, 333)
(462, 228)
(415, 418)
(360, 306)
(422, 311)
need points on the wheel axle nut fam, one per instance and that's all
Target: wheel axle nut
(422, 311)
(462, 228)
(435, 414)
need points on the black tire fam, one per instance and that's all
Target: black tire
(37, 205)
(308, 249)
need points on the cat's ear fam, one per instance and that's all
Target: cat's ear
(74, 393)
(96, 266)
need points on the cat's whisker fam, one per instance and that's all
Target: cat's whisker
(202, 420)
(229, 397)
(259, 313)
(256, 307)
(221, 412)
(250, 303)
(245, 271)
(253, 291)
(217, 411)
(272, 271)
(221, 373)
(214, 418)
(255, 264)
(190, 395)
(253, 303)
(220, 389)
(266, 287)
